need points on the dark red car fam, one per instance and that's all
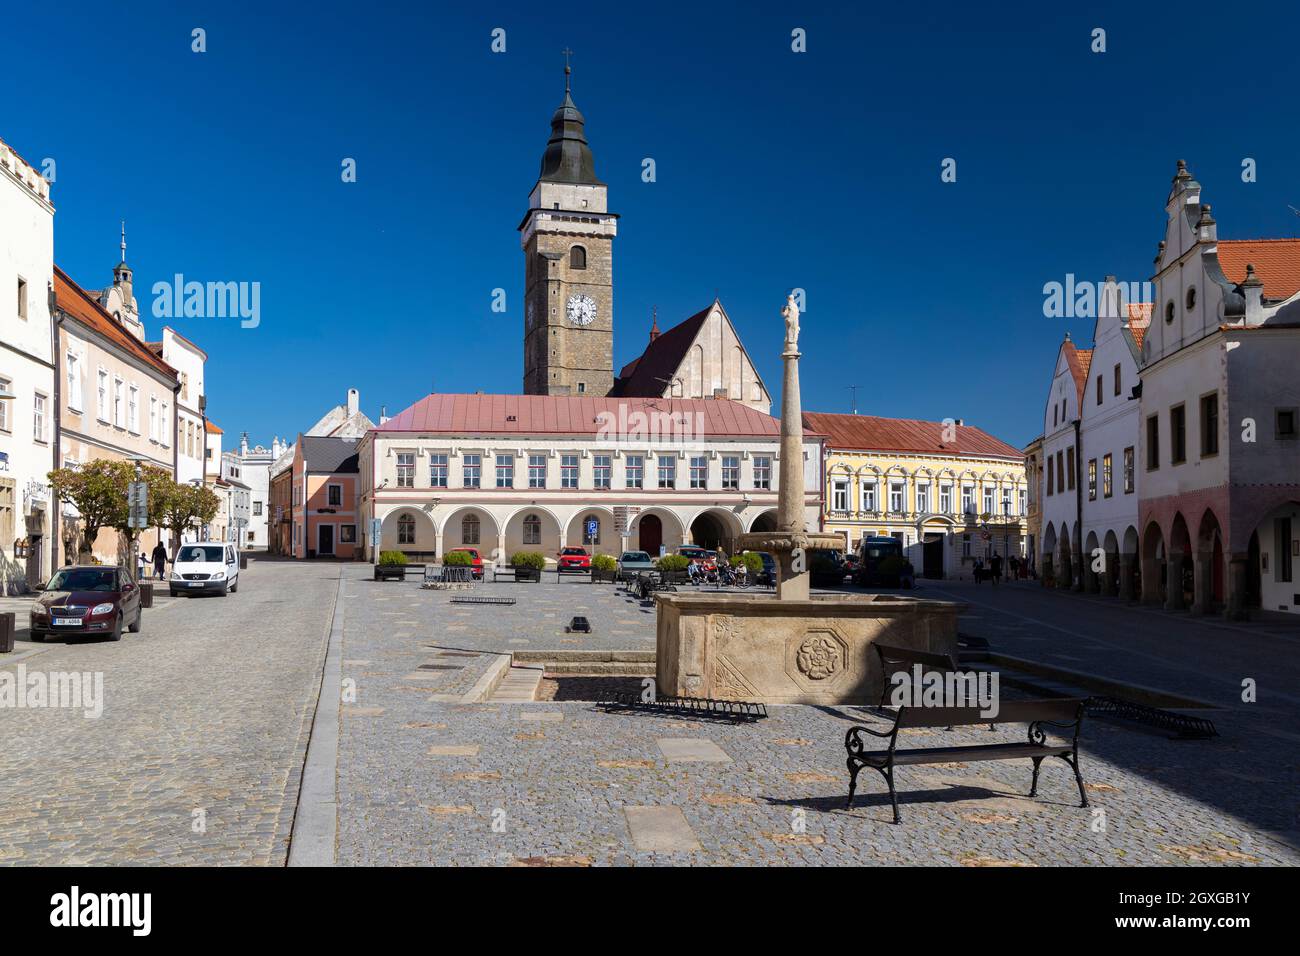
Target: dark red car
(476, 561)
(574, 559)
(89, 600)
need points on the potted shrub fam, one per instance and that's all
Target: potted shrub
(604, 568)
(459, 559)
(528, 565)
(673, 567)
(391, 566)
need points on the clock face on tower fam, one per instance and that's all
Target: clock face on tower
(581, 309)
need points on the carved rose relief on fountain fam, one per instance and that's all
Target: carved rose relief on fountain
(820, 656)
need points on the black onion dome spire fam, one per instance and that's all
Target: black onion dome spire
(568, 157)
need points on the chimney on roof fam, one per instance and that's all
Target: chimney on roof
(383, 414)
(720, 393)
(354, 402)
(1252, 288)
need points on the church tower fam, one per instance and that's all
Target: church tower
(567, 237)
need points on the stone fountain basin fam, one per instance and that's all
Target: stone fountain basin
(808, 651)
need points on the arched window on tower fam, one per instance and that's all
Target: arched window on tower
(577, 258)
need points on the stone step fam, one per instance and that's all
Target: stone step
(599, 668)
(518, 685)
(572, 656)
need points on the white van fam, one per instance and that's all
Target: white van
(205, 567)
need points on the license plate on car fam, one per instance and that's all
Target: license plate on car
(66, 621)
(196, 584)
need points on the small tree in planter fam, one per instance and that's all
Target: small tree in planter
(528, 565)
(604, 568)
(391, 566)
(673, 567)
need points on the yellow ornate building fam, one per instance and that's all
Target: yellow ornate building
(950, 492)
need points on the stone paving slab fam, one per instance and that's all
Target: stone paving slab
(558, 791)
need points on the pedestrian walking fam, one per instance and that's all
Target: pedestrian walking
(995, 565)
(979, 570)
(159, 561)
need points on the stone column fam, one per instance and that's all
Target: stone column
(1109, 574)
(1235, 606)
(1203, 582)
(1151, 577)
(1046, 570)
(1174, 582)
(502, 558)
(437, 546)
(1126, 562)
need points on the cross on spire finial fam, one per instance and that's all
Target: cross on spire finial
(567, 69)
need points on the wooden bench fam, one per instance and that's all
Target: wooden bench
(1065, 714)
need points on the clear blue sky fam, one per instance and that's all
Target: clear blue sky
(819, 170)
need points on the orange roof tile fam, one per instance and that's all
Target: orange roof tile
(1139, 319)
(82, 306)
(211, 427)
(871, 433)
(1276, 262)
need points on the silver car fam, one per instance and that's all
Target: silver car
(632, 563)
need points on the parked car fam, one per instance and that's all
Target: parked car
(208, 567)
(767, 576)
(87, 600)
(872, 551)
(574, 559)
(632, 563)
(708, 560)
(476, 561)
(826, 567)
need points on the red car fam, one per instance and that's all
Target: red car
(574, 559)
(476, 560)
(90, 600)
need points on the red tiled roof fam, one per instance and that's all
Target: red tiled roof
(1276, 262)
(211, 427)
(571, 415)
(649, 373)
(82, 306)
(869, 433)
(1139, 319)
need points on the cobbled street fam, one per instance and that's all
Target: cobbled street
(206, 717)
(209, 708)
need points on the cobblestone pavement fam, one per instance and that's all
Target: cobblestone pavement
(425, 780)
(206, 709)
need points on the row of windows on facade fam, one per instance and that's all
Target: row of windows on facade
(471, 529)
(1060, 474)
(869, 503)
(1285, 422)
(1059, 416)
(118, 404)
(333, 496)
(40, 408)
(663, 470)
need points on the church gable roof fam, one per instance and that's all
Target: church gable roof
(652, 371)
(872, 433)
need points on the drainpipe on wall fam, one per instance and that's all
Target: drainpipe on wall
(1078, 498)
(56, 440)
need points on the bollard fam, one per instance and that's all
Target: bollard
(146, 594)
(7, 629)
(243, 560)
